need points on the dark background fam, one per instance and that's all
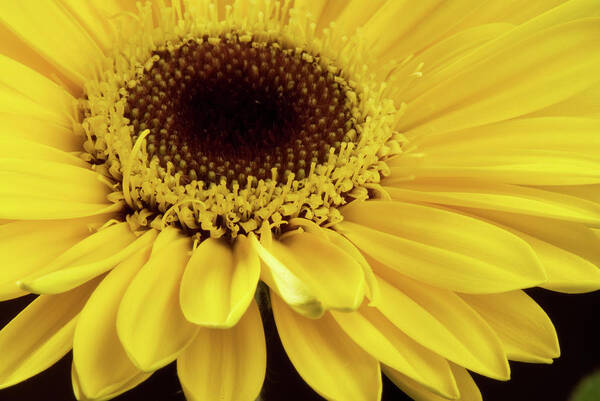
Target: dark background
(575, 318)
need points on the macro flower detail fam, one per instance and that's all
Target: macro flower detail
(384, 177)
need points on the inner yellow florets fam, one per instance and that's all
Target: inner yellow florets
(224, 126)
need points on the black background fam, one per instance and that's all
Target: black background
(575, 318)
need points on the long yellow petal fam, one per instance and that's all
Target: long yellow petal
(441, 248)
(28, 150)
(28, 246)
(38, 130)
(225, 365)
(89, 258)
(524, 329)
(40, 335)
(386, 343)
(326, 358)
(480, 194)
(69, 48)
(219, 282)
(101, 364)
(150, 323)
(442, 322)
(36, 87)
(467, 387)
(569, 252)
(507, 83)
(118, 391)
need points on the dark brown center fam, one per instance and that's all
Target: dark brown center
(234, 109)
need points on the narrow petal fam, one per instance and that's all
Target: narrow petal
(441, 248)
(150, 323)
(123, 388)
(69, 49)
(522, 326)
(42, 208)
(40, 131)
(480, 194)
(89, 258)
(386, 343)
(28, 246)
(440, 336)
(507, 83)
(226, 365)
(467, 387)
(442, 322)
(219, 282)
(326, 358)
(36, 88)
(41, 334)
(335, 277)
(29, 150)
(101, 364)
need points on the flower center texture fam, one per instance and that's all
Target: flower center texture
(229, 127)
(230, 110)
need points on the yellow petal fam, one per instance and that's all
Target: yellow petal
(40, 335)
(585, 103)
(69, 48)
(442, 322)
(380, 338)
(12, 102)
(334, 276)
(441, 248)
(123, 388)
(41, 208)
(523, 327)
(101, 364)
(371, 287)
(89, 258)
(28, 246)
(150, 323)
(569, 252)
(225, 365)
(474, 348)
(286, 283)
(39, 131)
(480, 194)
(507, 83)
(411, 27)
(326, 358)
(467, 387)
(24, 149)
(36, 88)
(219, 282)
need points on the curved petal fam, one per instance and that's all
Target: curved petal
(69, 49)
(443, 322)
(522, 326)
(467, 387)
(335, 277)
(101, 364)
(386, 343)
(226, 365)
(326, 358)
(37, 88)
(118, 391)
(29, 150)
(41, 334)
(89, 258)
(28, 246)
(219, 282)
(150, 323)
(569, 252)
(441, 248)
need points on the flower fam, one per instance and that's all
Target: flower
(396, 174)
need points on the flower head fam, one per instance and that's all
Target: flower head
(388, 175)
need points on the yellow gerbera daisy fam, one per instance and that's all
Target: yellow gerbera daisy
(387, 175)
